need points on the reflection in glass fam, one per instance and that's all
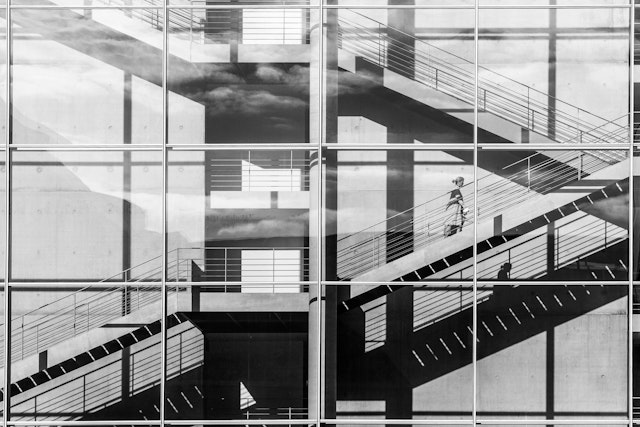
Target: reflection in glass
(240, 216)
(238, 356)
(553, 215)
(399, 351)
(398, 214)
(85, 353)
(538, 94)
(67, 91)
(400, 76)
(91, 216)
(636, 214)
(228, 68)
(568, 344)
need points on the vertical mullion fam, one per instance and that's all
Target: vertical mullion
(165, 123)
(474, 353)
(7, 192)
(631, 209)
(319, 230)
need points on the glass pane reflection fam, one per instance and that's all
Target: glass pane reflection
(568, 343)
(67, 91)
(85, 353)
(241, 216)
(90, 216)
(553, 215)
(400, 351)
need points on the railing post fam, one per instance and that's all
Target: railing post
(273, 270)
(84, 393)
(190, 28)
(580, 165)
(528, 174)
(484, 100)
(533, 120)
(22, 342)
(528, 103)
(380, 46)
(225, 264)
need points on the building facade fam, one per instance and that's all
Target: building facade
(285, 212)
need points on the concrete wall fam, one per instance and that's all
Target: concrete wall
(68, 207)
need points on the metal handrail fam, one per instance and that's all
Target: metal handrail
(53, 324)
(372, 248)
(183, 355)
(526, 266)
(411, 60)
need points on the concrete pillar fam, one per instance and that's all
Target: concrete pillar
(400, 198)
(399, 401)
(401, 49)
(551, 248)
(400, 182)
(330, 189)
(552, 61)
(315, 270)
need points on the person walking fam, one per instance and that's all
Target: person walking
(455, 208)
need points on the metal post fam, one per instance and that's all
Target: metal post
(580, 165)
(528, 174)
(528, 104)
(380, 45)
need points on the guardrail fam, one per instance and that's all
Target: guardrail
(88, 308)
(454, 75)
(101, 387)
(528, 259)
(370, 248)
(270, 26)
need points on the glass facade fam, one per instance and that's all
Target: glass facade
(319, 213)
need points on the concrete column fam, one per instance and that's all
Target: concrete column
(400, 182)
(551, 248)
(401, 49)
(399, 333)
(400, 198)
(330, 189)
(552, 61)
(315, 270)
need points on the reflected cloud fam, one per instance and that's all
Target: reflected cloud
(227, 100)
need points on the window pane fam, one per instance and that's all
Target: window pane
(242, 216)
(238, 66)
(553, 215)
(67, 91)
(561, 88)
(85, 353)
(90, 216)
(399, 215)
(399, 76)
(399, 352)
(240, 356)
(567, 343)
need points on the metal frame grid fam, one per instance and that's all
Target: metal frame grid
(317, 418)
